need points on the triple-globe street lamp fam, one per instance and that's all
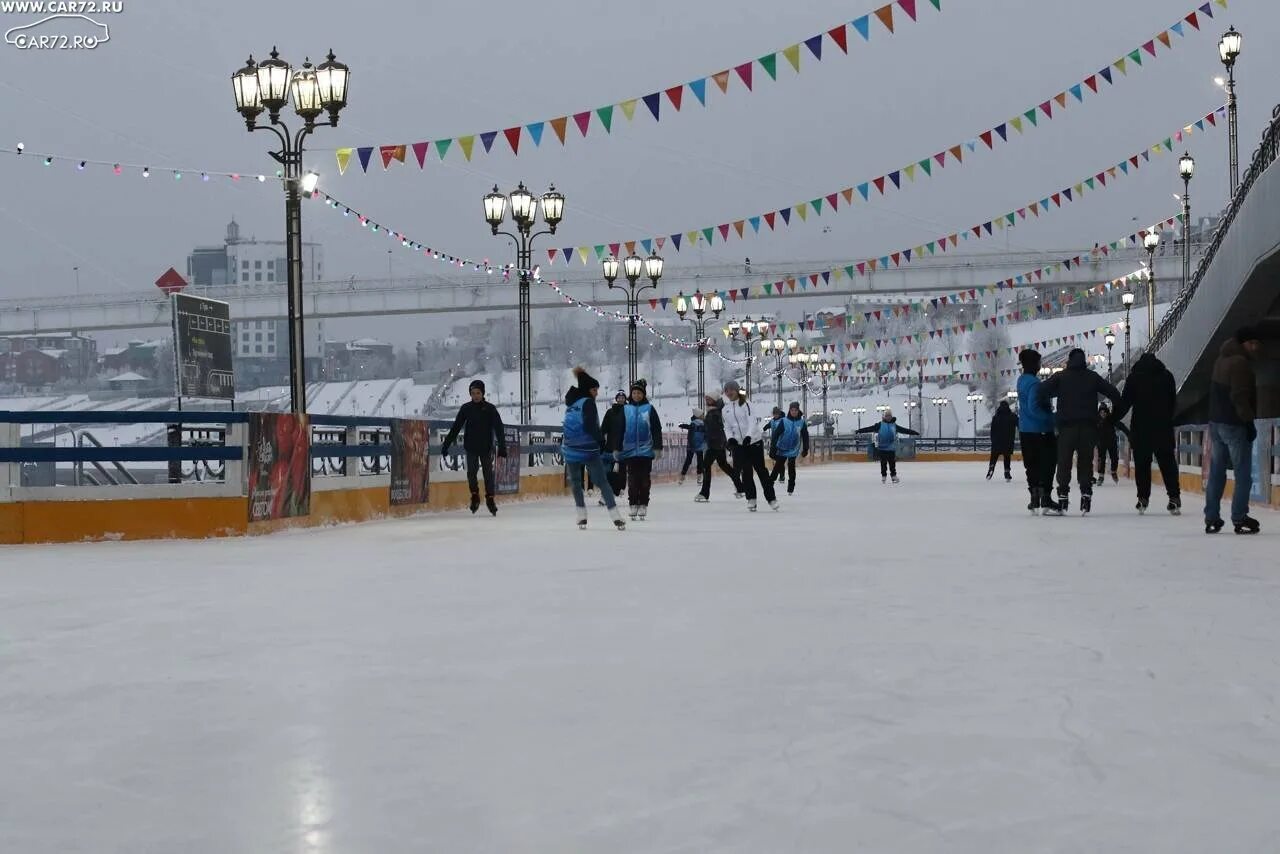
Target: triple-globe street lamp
(744, 332)
(1186, 169)
(1229, 51)
(780, 348)
(1127, 298)
(1151, 242)
(700, 306)
(633, 266)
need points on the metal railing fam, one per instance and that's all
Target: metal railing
(916, 444)
(1263, 157)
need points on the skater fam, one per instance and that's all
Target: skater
(887, 432)
(1004, 429)
(639, 444)
(697, 446)
(745, 440)
(582, 446)
(1039, 442)
(1108, 444)
(1077, 389)
(611, 427)
(713, 420)
(1150, 392)
(789, 439)
(1233, 404)
(483, 426)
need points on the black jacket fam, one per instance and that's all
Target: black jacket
(1107, 432)
(483, 425)
(1004, 428)
(612, 426)
(715, 427)
(1151, 393)
(1233, 394)
(1077, 389)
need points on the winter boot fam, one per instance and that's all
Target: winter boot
(1213, 526)
(1055, 507)
(1142, 506)
(1247, 525)
(895, 479)
(1086, 504)
(582, 518)
(475, 501)
(1115, 476)
(644, 511)
(616, 515)
(751, 505)
(739, 494)
(700, 499)
(491, 504)
(991, 472)
(791, 489)
(1008, 476)
(775, 506)
(681, 479)
(1034, 504)
(1175, 505)
(635, 512)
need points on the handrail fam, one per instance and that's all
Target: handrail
(80, 440)
(1267, 152)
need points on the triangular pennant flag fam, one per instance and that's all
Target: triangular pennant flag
(803, 210)
(1061, 98)
(1177, 28)
(722, 80)
(559, 126)
(1077, 92)
(676, 94)
(744, 74)
(675, 241)
(420, 152)
(755, 224)
(814, 43)
(551, 256)
(957, 154)
(908, 6)
(442, 147)
(605, 115)
(708, 232)
(885, 14)
(582, 253)
(583, 121)
(1031, 116)
(1206, 10)
(699, 89)
(648, 246)
(1136, 56)
(344, 157)
(832, 200)
(1105, 74)
(651, 101)
(599, 250)
(628, 108)
(1120, 65)
(785, 213)
(768, 219)
(364, 154)
(895, 177)
(487, 139)
(879, 182)
(986, 136)
(737, 226)
(1016, 121)
(467, 143)
(513, 138)
(769, 62)
(1092, 82)
(864, 189)
(614, 247)
(1047, 108)
(793, 56)
(926, 166)
(568, 253)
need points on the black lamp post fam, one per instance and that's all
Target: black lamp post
(826, 370)
(941, 403)
(701, 305)
(1150, 242)
(780, 348)
(1110, 340)
(859, 411)
(1228, 51)
(632, 268)
(743, 331)
(1186, 168)
(524, 214)
(1127, 298)
(315, 90)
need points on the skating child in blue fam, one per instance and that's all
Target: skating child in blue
(887, 432)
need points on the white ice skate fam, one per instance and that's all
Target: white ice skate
(635, 512)
(617, 519)
(644, 512)
(582, 518)
(700, 499)
(751, 505)
(775, 505)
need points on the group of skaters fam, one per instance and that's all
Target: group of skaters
(1054, 443)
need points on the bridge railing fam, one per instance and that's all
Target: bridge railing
(1266, 153)
(911, 446)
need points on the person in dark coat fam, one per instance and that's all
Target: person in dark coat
(697, 445)
(1151, 394)
(1108, 445)
(483, 431)
(1077, 389)
(713, 422)
(1233, 406)
(1004, 429)
(612, 427)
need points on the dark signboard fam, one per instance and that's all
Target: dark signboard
(202, 346)
(279, 466)
(410, 471)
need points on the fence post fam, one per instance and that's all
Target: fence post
(237, 435)
(173, 433)
(10, 437)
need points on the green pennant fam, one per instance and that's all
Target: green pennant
(606, 117)
(927, 166)
(1168, 143)
(849, 271)
(1031, 115)
(1009, 218)
(770, 64)
(768, 287)
(937, 4)
(600, 252)
(817, 206)
(707, 232)
(442, 147)
(930, 246)
(1088, 182)
(1136, 56)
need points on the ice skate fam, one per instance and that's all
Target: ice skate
(1115, 476)
(644, 512)
(739, 494)
(1247, 525)
(1008, 478)
(1086, 504)
(492, 505)
(634, 512)
(1213, 526)
(895, 479)
(884, 478)
(791, 490)
(1142, 506)
(616, 514)
(1054, 507)
(751, 505)
(1034, 504)
(475, 501)
(582, 518)
(990, 473)
(700, 499)
(775, 506)
(1174, 507)
(681, 480)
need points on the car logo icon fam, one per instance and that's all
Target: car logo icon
(41, 34)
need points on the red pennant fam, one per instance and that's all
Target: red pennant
(908, 6)
(724, 231)
(1092, 82)
(879, 182)
(653, 304)
(840, 35)
(676, 93)
(985, 136)
(833, 200)
(768, 218)
(1192, 20)
(583, 120)
(513, 139)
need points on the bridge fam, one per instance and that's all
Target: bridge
(478, 292)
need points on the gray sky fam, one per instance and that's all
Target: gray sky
(159, 93)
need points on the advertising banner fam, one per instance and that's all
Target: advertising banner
(202, 347)
(507, 471)
(410, 469)
(279, 466)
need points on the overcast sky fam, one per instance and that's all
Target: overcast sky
(158, 92)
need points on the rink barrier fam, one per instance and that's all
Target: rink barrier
(1194, 452)
(861, 449)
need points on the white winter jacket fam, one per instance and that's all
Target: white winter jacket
(739, 423)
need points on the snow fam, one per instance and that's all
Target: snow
(920, 668)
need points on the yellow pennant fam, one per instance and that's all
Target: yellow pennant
(793, 56)
(344, 157)
(582, 253)
(467, 143)
(628, 108)
(802, 210)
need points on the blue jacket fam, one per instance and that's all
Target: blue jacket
(697, 434)
(887, 433)
(642, 433)
(790, 438)
(581, 431)
(1033, 415)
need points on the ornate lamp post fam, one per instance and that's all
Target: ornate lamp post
(1228, 51)
(802, 361)
(315, 90)
(1110, 340)
(780, 348)
(701, 305)
(632, 268)
(524, 214)
(743, 331)
(826, 370)
(912, 406)
(1150, 242)
(975, 399)
(941, 403)
(859, 411)
(1186, 168)
(1127, 298)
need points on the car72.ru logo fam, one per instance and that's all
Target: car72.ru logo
(61, 31)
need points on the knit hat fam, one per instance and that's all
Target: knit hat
(712, 400)
(732, 385)
(777, 410)
(619, 393)
(795, 404)
(640, 384)
(476, 384)
(586, 382)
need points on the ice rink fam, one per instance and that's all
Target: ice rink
(913, 668)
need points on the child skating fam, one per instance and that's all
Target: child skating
(789, 440)
(583, 445)
(887, 432)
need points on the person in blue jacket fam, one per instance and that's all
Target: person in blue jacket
(697, 447)
(887, 432)
(639, 444)
(790, 440)
(1038, 441)
(583, 444)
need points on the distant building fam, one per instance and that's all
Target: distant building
(77, 356)
(137, 356)
(363, 359)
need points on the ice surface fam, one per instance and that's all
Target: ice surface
(919, 668)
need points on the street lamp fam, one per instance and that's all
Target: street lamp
(941, 403)
(743, 331)
(1127, 298)
(524, 213)
(1186, 168)
(975, 399)
(632, 268)
(780, 348)
(1011, 397)
(701, 305)
(267, 86)
(1150, 242)
(826, 370)
(1110, 340)
(1228, 51)
(859, 411)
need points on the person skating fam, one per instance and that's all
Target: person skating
(697, 444)
(744, 436)
(1152, 395)
(716, 450)
(612, 426)
(1108, 444)
(1233, 404)
(789, 439)
(638, 446)
(1035, 434)
(482, 426)
(775, 418)
(886, 441)
(1077, 389)
(583, 445)
(1004, 429)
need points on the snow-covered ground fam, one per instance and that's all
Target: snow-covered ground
(920, 668)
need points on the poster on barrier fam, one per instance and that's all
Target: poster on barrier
(279, 466)
(410, 466)
(507, 471)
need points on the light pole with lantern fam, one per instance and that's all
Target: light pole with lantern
(780, 348)
(1186, 168)
(743, 331)
(975, 399)
(1110, 340)
(321, 89)
(859, 411)
(1127, 298)
(632, 268)
(1228, 51)
(802, 360)
(941, 403)
(1151, 242)
(701, 305)
(524, 214)
(826, 370)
